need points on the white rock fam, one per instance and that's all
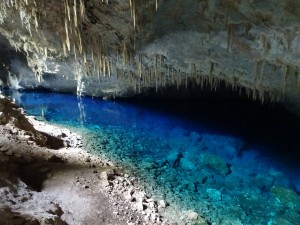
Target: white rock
(150, 200)
(139, 206)
(192, 215)
(162, 204)
(104, 179)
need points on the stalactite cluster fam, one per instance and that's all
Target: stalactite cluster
(94, 56)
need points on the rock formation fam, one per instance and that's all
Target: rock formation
(121, 47)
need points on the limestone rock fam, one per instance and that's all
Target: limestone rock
(104, 179)
(194, 218)
(192, 215)
(247, 44)
(162, 204)
(286, 197)
(215, 162)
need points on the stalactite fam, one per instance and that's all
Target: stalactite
(108, 66)
(247, 92)
(262, 71)
(212, 65)
(230, 33)
(155, 72)
(75, 14)
(67, 35)
(140, 64)
(202, 82)
(124, 54)
(178, 79)
(254, 94)
(64, 48)
(285, 76)
(68, 10)
(36, 22)
(139, 84)
(46, 52)
(193, 69)
(84, 57)
(185, 80)
(172, 76)
(256, 68)
(104, 66)
(141, 71)
(95, 68)
(134, 18)
(81, 7)
(92, 54)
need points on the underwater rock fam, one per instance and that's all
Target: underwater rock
(224, 146)
(232, 222)
(278, 178)
(194, 218)
(261, 181)
(292, 216)
(192, 215)
(187, 165)
(229, 152)
(280, 221)
(215, 162)
(172, 156)
(253, 205)
(214, 194)
(287, 197)
(195, 137)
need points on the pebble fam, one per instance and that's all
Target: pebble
(162, 204)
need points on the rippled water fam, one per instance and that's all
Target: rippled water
(232, 162)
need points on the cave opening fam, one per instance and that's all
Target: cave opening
(226, 111)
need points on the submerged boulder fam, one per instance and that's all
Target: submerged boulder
(215, 162)
(286, 197)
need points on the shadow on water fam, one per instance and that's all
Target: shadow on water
(268, 127)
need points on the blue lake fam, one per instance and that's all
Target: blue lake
(233, 161)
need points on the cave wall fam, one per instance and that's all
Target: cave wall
(123, 47)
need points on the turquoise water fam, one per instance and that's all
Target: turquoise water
(231, 162)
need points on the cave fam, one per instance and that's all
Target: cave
(163, 112)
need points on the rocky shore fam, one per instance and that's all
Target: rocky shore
(46, 177)
(40, 185)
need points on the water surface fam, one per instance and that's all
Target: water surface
(233, 161)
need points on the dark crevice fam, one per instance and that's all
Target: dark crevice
(32, 175)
